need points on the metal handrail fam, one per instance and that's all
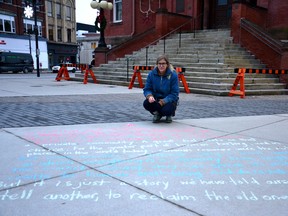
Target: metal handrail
(193, 19)
(130, 40)
(261, 35)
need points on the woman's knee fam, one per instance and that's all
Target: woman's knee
(168, 109)
(148, 106)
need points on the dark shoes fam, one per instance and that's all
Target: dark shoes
(157, 117)
(168, 119)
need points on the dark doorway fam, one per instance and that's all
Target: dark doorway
(220, 13)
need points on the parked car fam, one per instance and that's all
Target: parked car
(70, 68)
(16, 62)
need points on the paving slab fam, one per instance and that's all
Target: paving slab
(29, 85)
(264, 126)
(226, 166)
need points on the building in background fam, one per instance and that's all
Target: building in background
(61, 31)
(255, 24)
(87, 40)
(17, 30)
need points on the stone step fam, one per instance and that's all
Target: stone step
(194, 77)
(215, 89)
(209, 58)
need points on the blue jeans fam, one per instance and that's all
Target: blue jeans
(167, 110)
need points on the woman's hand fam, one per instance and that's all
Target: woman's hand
(151, 99)
(161, 102)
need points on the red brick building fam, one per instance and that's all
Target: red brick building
(143, 21)
(17, 30)
(262, 28)
(141, 15)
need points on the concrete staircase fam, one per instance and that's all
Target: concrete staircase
(209, 59)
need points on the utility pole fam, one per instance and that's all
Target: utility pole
(36, 37)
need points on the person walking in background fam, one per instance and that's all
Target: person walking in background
(161, 90)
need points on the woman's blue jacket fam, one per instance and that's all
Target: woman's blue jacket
(164, 87)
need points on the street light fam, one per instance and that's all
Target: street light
(80, 45)
(100, 19)
(29, 13)
(36, 37)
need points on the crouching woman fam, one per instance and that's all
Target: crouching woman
(161, 90)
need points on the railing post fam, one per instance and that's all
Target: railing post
(164, 43)
(180, 38)
(194, 31)
(147, 56)
(127, 69)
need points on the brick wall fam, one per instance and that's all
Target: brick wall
(273, 58)
(277, 14)
(133, 20)
(263, 3)
(269, 57)
(277, 21)
(19, 16)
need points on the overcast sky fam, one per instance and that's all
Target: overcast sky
(84, 13)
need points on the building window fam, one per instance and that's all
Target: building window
(68, 10)
(49, 9)
(7, 24)
(117, 12)
(180, 6)
(29, 27)
(93, 45)
(222, 2)
(58, 10)
(59, 34)
(68, 13)
(6, 1)
(69, 34)
(51, 33)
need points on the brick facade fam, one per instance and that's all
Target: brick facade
(160, 17)
(18, 14)
(265, 46)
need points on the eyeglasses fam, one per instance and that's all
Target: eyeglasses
(162, 63)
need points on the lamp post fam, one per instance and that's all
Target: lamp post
(36, 38)
(80, 44)
(29, 13)
(100, 22)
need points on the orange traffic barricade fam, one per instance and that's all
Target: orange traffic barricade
(137, 74)
(88, 72)
(63, 72)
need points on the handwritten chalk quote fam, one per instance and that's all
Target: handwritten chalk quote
(171, 166)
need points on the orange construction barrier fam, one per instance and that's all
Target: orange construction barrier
(239, 78)
(137, 73)
(63, 71)
(181, 77)
(241, 75)
(87, 72)
(81, 67)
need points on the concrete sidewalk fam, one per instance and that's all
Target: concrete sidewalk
(215, 166)
(30, 85)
